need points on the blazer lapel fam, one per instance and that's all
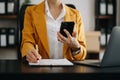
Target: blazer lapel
(40, 24)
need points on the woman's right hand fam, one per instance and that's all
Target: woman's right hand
(33, 56)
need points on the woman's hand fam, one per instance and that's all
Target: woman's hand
(33, 56)
(70, 40)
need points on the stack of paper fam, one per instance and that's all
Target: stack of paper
(52, 62)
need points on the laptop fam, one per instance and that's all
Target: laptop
(111, 57)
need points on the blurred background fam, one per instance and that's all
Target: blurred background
(99, 17)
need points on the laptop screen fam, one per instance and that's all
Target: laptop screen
(112, 53)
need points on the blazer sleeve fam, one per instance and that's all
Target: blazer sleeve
(28, 41)
(81, 38)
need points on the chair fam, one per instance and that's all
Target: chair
(71, 5)
(21, 24)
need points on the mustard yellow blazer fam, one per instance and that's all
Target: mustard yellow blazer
(35, 32)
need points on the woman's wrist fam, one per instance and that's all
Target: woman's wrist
(75, 51)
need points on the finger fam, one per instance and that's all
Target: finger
(58, 38)
(61, 37)
(32, 56)
(39, 57)
(61, 40)
(67, 33)
(29, 58)
(36, 54)
(74, 34)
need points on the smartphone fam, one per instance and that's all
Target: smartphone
(68, 26)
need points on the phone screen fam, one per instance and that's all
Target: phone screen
(68, 26)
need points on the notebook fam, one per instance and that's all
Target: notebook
(52, 62)
(111, 57)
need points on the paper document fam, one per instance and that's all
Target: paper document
(52, 62)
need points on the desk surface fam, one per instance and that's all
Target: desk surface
(77, 71)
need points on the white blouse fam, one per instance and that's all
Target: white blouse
(53, 26)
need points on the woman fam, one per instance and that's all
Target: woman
(41, 27)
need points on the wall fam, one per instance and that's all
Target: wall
(86, 7)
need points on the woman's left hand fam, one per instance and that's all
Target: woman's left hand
(70, 40)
